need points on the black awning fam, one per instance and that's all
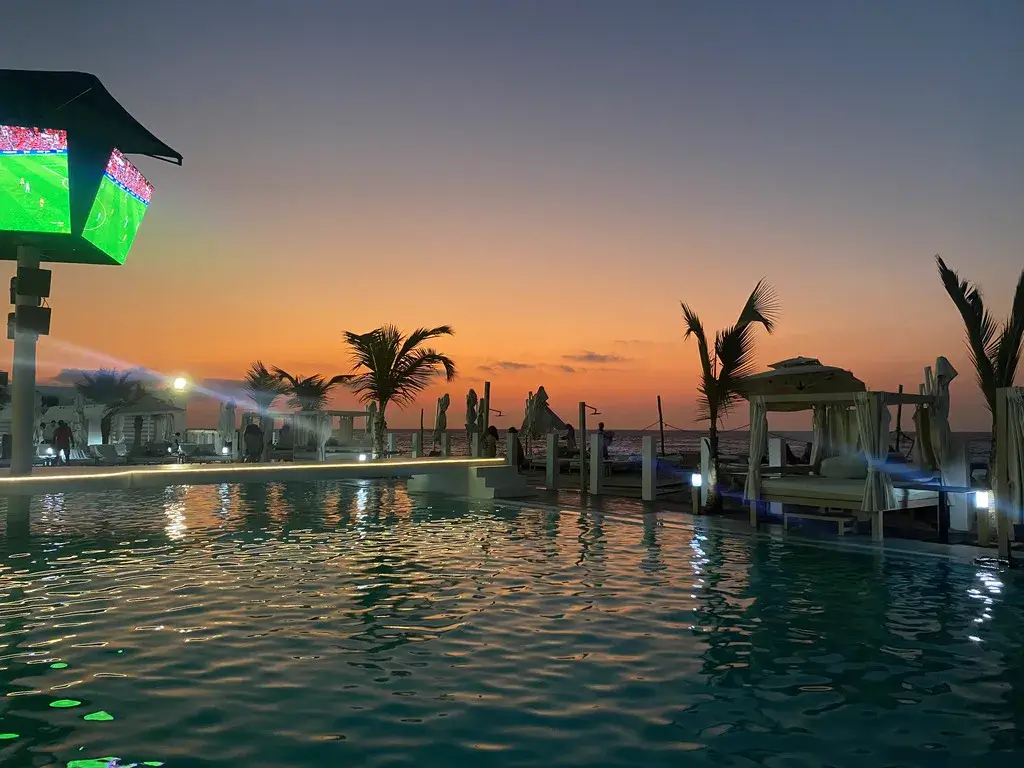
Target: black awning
(78, 103)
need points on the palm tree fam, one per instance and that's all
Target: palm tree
(308, 393)
(115, 391)
(723, 369)
(263, 388)
(389, 367)
(994, 349)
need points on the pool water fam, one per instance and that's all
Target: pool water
(349, 625)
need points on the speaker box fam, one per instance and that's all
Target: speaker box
(33, 282)
(33, 319)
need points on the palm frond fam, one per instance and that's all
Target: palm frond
(111, 389)
(979, 328)
(1010, 339)
(724, 368)
(695, 328)
(762, 306)
(734, 348)
(263, 386)
(308, 393)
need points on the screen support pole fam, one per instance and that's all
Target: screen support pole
(23, 383)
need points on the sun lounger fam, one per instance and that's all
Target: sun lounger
(110, 454)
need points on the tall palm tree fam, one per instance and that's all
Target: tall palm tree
(724, 367)
(390, 367)
(263, 388)
(308, 393)
(994, 348)
(114, 391)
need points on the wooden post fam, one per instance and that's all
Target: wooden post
(474, 446)
(776, 458)
(487, 406)
(551, 461)
(421, 430)
(999, 479)
(705, 468)
(661, 426)
(510, 449)
(23, 381)
(582, 442)
(899, 418)
(596, 463)
(417, 445)
(648, 469)
(391, 447)
(446, 446)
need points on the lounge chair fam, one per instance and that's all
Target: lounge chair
(110, 455)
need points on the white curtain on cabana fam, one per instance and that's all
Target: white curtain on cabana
(1015, 452)
(842, 431)
(323, 434)
(821, 444)
(758, 447)
(873, 425)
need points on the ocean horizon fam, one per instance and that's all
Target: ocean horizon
(628, 442)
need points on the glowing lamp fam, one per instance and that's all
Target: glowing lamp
(362, 457)
(180, 384)
(225, 451)
(981, 499)
(696, 480)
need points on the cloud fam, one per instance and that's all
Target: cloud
(505, 365)
(566, 368)
(593, 357)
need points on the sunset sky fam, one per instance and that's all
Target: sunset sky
(552, 179)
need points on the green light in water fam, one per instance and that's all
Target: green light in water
(65, 703)
(58, 665)
(100, 717)
(8, 735)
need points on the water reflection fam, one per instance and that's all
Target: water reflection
(597, 636)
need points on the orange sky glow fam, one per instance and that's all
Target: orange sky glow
(552, 184)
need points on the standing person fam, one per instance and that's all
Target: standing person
(570, 440)
(520, 452)
(51, 428)
(489, 445)
(63, 442)
(606, 439)
(179, 449)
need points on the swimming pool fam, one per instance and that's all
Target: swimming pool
(335, 624)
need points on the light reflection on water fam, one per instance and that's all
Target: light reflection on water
(335, 624)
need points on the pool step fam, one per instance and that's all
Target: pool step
(498, 482)
(495, 481)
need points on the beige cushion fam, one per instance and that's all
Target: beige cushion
(844, 467)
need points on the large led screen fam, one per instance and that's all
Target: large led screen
(121, 201)
(34, 193)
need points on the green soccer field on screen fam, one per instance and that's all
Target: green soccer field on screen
(117, 210)
(34, 180)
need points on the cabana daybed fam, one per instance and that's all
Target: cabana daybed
(846, 425)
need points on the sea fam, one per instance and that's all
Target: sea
(628, 442)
